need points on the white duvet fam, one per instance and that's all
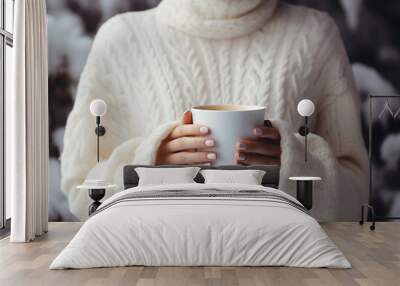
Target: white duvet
(188, 231)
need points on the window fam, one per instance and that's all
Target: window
(6, 44)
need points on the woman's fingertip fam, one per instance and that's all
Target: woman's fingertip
(203, 129)
(187, 117)
(242, 146)
(211, 156)
(240, 157)
(209, 143)
(257, 131)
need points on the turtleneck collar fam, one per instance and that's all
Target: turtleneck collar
(215, 19)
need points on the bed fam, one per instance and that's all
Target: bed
(198, 224)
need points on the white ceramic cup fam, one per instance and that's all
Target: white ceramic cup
(228, 125)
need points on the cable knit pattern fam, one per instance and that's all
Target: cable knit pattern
(197, 78)
(242, 58)
(151, 66)
(225, 72)
(211, 64)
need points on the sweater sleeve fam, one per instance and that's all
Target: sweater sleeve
(336, 149)
(124, 142)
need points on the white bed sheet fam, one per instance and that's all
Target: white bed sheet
(200, 232)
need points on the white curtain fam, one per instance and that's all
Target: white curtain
(27, 124)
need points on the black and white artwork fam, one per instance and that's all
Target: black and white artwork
(371, 34)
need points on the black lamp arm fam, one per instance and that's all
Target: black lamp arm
(100, 131)
(305, 139)
(304, 131)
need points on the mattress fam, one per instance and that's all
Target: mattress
(201, 225)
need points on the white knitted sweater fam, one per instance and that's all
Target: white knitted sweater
(152, 66)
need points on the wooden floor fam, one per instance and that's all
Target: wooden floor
(375, 257)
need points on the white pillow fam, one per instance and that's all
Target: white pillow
(165, 176)
(248, 177)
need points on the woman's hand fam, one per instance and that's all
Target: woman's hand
(265, 150)
(187, 144)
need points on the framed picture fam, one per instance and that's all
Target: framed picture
(384, 155)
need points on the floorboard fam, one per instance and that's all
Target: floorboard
(375, 257)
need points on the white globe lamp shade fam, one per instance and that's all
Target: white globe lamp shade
(98, 107)
(306, 108)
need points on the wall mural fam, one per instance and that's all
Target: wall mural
(73, 24)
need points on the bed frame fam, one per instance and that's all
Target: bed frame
(271, 177)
